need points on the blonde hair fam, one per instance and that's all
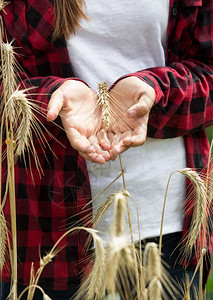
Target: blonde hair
(68, 14)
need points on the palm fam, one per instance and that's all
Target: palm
(76, 104)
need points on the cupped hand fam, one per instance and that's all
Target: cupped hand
(132, 100)
(75, 102)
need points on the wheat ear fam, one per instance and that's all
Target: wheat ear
(106, 204)
(53, 252)
(25, 115)
(199, 209)
(104, 102)
(122, 265)
(152, 263)
(118, 226)
(3, 240)
(9, 78)
(3, 4)
(93, 286)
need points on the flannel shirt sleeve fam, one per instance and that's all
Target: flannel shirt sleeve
(42, 65)
(184, 87)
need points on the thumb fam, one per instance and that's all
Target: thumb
(55, 105)
(141, 108)
(137, 110)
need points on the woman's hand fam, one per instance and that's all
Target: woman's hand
(133, 101)
(75, 102)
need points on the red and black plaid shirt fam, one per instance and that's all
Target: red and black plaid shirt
(184, 107)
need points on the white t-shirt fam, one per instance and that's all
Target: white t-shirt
(122, 37)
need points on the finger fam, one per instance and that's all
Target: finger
(93, 157)
(103, 139)
(134, 141)
(55, 105)
(99, 150)
(79, 142)
(115, 138)
(139, 134)
(84, 147)
(117, 145)
(117, 149)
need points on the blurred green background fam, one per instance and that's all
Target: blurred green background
(209, 132)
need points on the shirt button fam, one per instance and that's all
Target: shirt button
(174, 11)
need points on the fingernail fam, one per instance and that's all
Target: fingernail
(132, 113)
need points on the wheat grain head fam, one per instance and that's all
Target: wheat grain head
(199, 210)
(104, 102)
(3, 240)
(93, 286)
(152, 263)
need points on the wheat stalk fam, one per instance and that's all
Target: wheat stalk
(188, 284)
(199, 210)
(45, 296)
(208, 185)
(35, 277)
(90, 284)
(9, 83)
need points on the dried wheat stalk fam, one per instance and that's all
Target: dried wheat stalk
(18, 121)
(35, 277)
(188, 284)
(8, 84)
(45, 296)
(93, 285)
